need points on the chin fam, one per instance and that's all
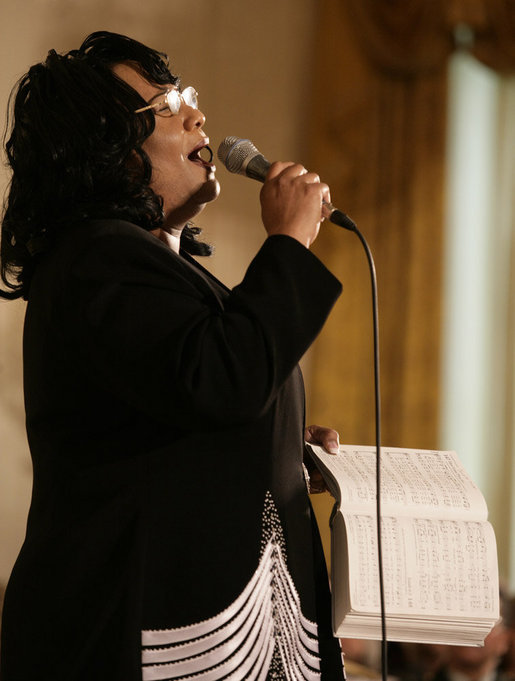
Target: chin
(209, 191)
(179, 216)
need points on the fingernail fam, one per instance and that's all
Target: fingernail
(332, 446)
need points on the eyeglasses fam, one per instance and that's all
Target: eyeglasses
(173, 100)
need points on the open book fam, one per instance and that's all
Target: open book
(439, 554)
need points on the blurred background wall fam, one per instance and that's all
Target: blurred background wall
(368, 93)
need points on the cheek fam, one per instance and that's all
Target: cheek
(167, 162)
(160, 150)
(166, 141)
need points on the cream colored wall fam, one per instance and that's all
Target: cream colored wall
(251, 64)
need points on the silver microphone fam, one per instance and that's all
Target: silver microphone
(240, 156)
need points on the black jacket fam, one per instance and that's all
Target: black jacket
(165, 421)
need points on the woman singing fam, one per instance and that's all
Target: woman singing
(170, 534)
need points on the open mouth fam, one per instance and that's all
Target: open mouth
(203, 156)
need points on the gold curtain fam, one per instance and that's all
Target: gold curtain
(377, 136)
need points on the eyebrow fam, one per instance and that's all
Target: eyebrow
(160, 94)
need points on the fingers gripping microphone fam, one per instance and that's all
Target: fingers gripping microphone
(240, 156)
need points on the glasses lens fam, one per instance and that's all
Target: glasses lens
(190, 96)
(173, 99)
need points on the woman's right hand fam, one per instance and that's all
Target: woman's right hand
(291, 202)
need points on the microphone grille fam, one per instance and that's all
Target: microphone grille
(233, 152)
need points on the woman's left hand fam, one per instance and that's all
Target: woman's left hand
(327, 438)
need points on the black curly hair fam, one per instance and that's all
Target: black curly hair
(73, 136)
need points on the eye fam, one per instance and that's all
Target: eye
(162, 107)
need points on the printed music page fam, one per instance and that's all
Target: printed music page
(439, 552)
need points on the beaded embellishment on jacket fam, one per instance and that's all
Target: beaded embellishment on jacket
(261, 635)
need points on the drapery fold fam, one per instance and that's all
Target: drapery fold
(378, 138)
(410, 37)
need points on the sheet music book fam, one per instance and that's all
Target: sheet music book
(439, 552)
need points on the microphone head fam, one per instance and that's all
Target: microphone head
(235, 153)
(241, 156)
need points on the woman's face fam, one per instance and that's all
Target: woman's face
(179, 176)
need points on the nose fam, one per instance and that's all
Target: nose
(193, 118)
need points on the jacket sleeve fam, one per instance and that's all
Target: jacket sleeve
(149, 329)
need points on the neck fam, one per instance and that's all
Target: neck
(171, 238)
